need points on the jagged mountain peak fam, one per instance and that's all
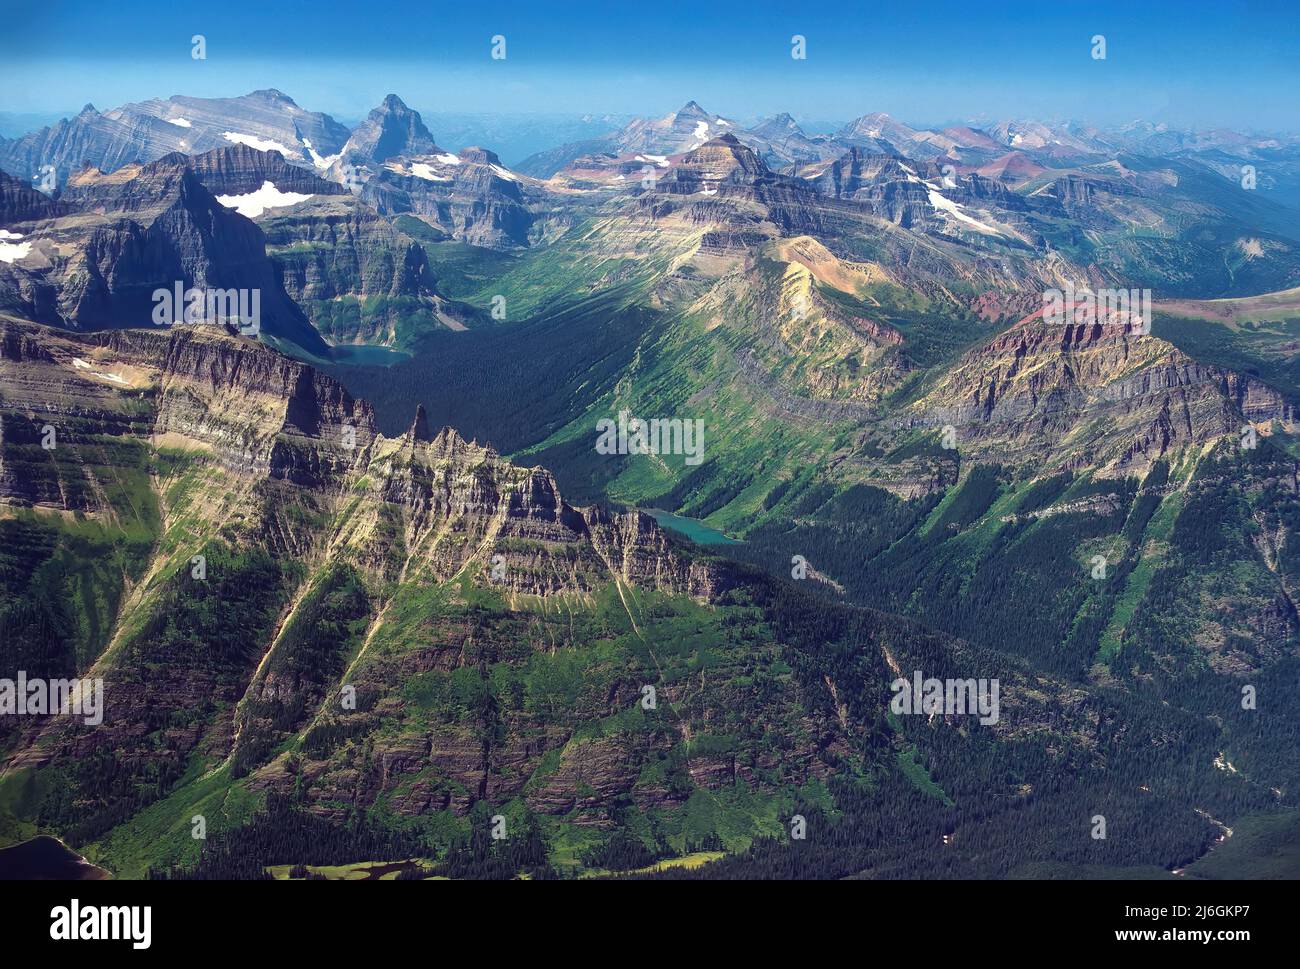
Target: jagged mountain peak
(778, 122)
(419, 429)
(691, 109)
(391, 129)
(141, 132)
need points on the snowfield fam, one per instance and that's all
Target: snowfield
(425, 171)
(80, 364)
(255, 203)
(252, 141)
(11, 252)
(320, 161)
(952, 208)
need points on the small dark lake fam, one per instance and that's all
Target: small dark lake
(46, 858)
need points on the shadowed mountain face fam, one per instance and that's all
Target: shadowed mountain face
(389, 130)
(241, 170)
(1015, 402)
(122, 238)
(21, 203)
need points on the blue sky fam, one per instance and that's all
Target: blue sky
(1191, 63)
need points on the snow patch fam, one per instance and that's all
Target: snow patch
(11, 252)
(252, 141)
(255, 203)
(505, 173)
(425, 171)
(952, 208)
(80, 364)
(320, 161)
(6, 234)
(448, 159)
(179, 122)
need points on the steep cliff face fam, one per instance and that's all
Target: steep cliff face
(1092, 395)
(358, 277)
(469, 195)
(144, 229)
(21, 203)
(57, 151)
(241, 170)
(272, 421)
(281, 471)
(724, 184)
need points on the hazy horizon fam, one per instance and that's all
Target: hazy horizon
(925, 66)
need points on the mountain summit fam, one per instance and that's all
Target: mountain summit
(389, 130)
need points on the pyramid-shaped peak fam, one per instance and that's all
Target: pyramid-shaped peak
(692, 109)
(782, 123)
(390, 130)
(724, 153)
